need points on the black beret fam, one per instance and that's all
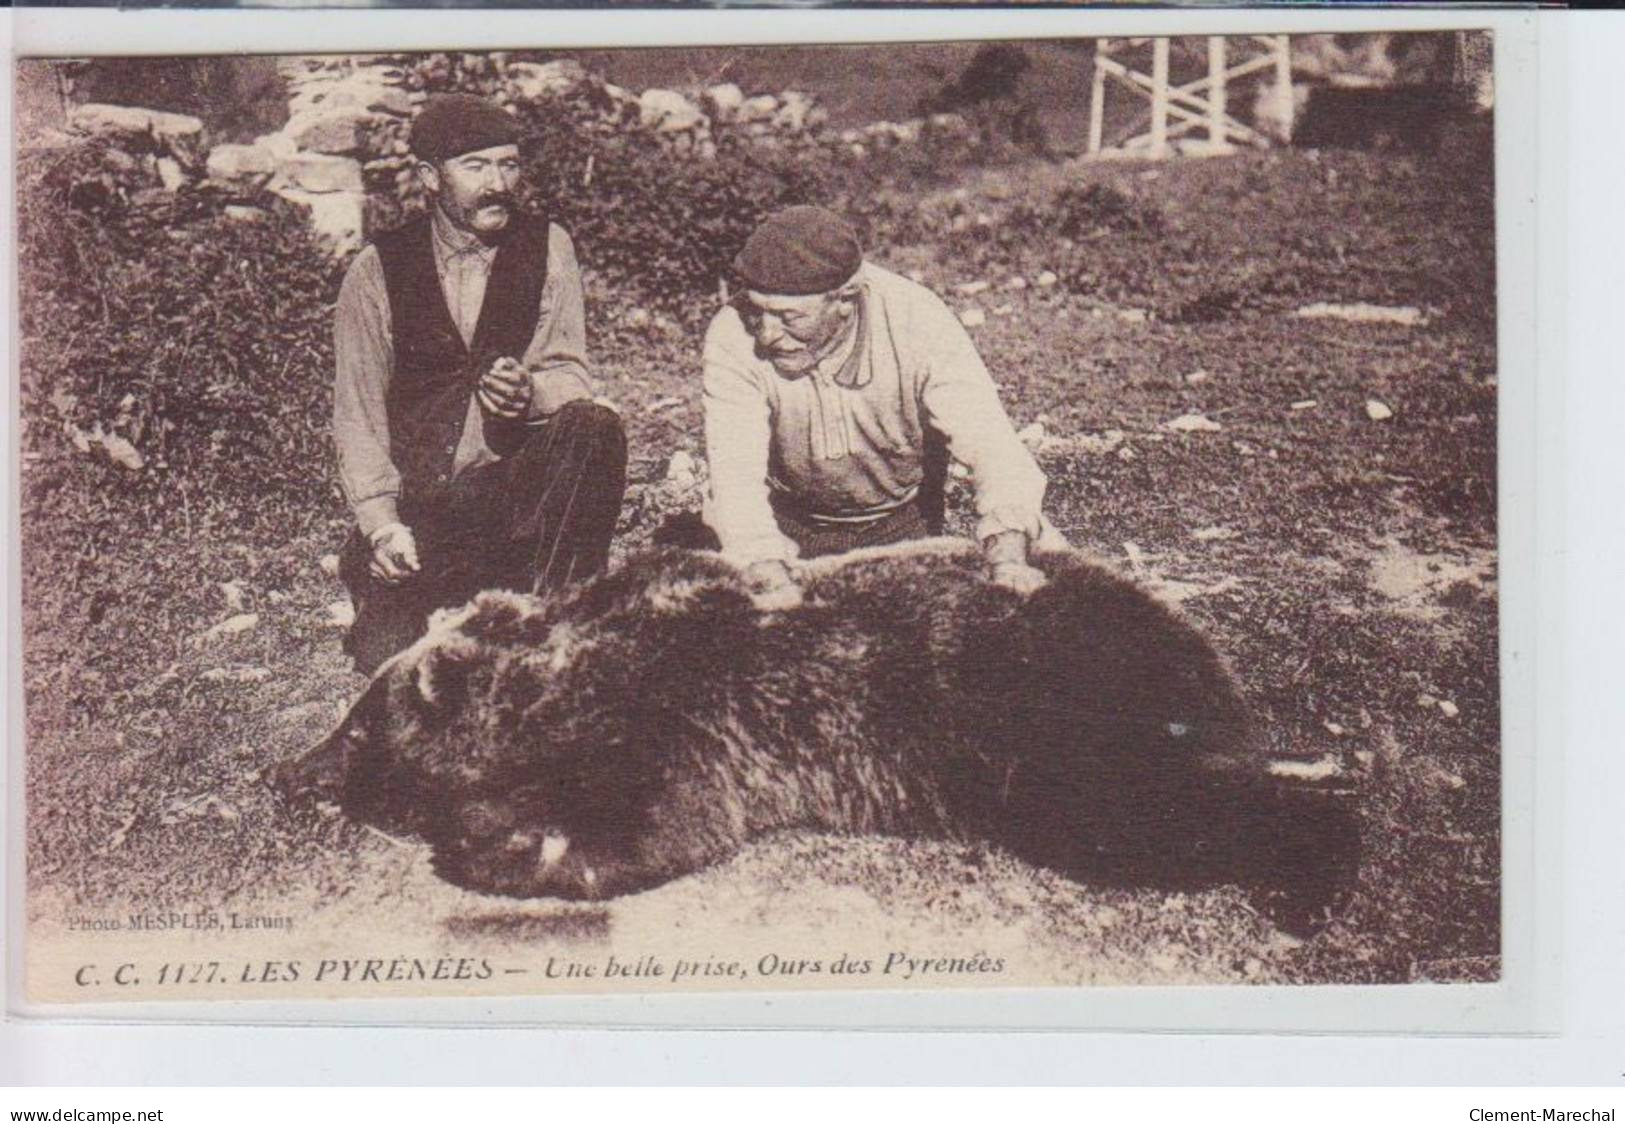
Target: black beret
(452, 124)
(799, 250)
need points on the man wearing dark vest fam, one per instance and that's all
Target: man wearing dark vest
(470, 447)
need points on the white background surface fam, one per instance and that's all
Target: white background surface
(1578, 903)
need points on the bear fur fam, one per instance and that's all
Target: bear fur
(652, 721)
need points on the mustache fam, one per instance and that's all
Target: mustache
(496, 199)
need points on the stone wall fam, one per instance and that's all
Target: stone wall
(349, 118)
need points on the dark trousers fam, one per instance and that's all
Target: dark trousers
(532, 521)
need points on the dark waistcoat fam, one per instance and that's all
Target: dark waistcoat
(435, 374)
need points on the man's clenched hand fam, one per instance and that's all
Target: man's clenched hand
(394, 553)
(505, 390)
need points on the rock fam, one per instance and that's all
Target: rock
(973, 317)
(236, 675)
(178, 134)
(322, 174)
(1448, 779)
(1304, 404)
(1016, 284)
(231, 626)
(242, 213)
(533, 81)
(795, 112)
(1377, 411)
(1334, 729)
(1004, 310)
(1033, 435)
(329, 565)
(681, 469)
(1212, 534)
(171, 175)
(337, 217)
(667, 111)
(362, 94)
(725, 98)
(340, 614)
(122, 452)
(240, 163)
(279, 146)
(1320, 770)
(1099, 444)
(971, 288)
(1196, 378)
(340, 132)
(1192, 423)
(1136, 556)
(233, 592)
(1362, 313)
(1448, 708)
(762, 107)
(1046, 279)
(1132, 315)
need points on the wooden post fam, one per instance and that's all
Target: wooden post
(1283, 82)
(1217, 105)
(1097, 96)
(1159, 98)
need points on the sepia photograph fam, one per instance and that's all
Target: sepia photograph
(894, 517)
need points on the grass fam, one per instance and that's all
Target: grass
(1345, 566)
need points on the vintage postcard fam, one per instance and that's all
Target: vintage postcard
(895, 517)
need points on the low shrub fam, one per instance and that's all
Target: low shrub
(176, 360)
(1003, 118)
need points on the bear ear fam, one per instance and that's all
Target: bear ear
(440, 678)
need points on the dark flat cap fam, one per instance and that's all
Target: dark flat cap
(799, 250)
(452, 124)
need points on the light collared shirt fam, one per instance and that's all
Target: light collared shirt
(364, 356)
(847, 440)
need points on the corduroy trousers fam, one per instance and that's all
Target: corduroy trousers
(537, 519)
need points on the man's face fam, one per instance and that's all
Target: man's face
(476, 190)
(794, 333)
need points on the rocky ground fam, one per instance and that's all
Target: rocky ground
(1288, 428)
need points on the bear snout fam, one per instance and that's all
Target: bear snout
(316, 774)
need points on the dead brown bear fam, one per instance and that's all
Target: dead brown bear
(651, 722)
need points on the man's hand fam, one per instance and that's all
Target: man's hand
(394, 554)
(505, 390)
(773, 586)
(1006, 555)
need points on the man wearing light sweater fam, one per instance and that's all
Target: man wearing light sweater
(826, 385)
